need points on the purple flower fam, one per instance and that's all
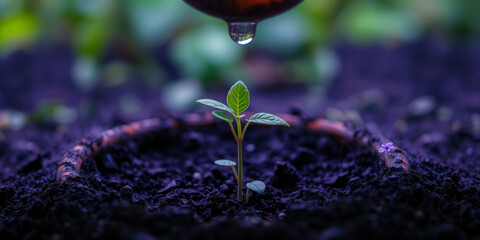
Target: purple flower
(387, 147)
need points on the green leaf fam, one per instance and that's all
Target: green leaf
(256, 186)
(267, 119)
(238, 97)
(215, 104)
(223, 115)
(225, 162)
(17, 29)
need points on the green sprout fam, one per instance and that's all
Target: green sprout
(238, 100)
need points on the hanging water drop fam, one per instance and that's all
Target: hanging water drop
(242, 32)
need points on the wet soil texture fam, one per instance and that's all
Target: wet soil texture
(423, 96)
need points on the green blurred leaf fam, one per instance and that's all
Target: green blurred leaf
(91, 8)
(367, 21)
(91, 36)
(154, 21)
(17, 30)
(54, 110)
(207, 53)
(284, 34)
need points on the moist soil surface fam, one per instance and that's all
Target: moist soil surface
(424, 96)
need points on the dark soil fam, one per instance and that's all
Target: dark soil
(164, 185)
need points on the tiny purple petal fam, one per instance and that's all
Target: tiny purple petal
(388, 147)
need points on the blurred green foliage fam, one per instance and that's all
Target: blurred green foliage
(199, 46)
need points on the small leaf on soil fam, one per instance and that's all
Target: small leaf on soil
(267, 119)
(223, 115)
(256, 186)
(238, 98)
(215, 104)
(225, 162)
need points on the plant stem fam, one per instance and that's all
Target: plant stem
(389, 160)
(240, 162)
(239, 129)
(247, 195)
(240, 171)
(233, 131)
(235, 173)
(244, 130)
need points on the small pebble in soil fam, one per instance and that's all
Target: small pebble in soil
(282, 215)
(31, 162)
(354, 183)
(6, 192)
(194, 141)
(108, 164)
(217, 174)
(302, 156)
(454, 175)
(197, 176)
(126, 192)
(223, 188)
(339, 180)
(285, 175)
(97, 182)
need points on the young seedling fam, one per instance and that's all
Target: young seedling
(387, 148)
(256, 186)
(238, 100)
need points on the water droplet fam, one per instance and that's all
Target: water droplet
(242, 32)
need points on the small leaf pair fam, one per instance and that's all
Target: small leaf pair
(238, 100)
